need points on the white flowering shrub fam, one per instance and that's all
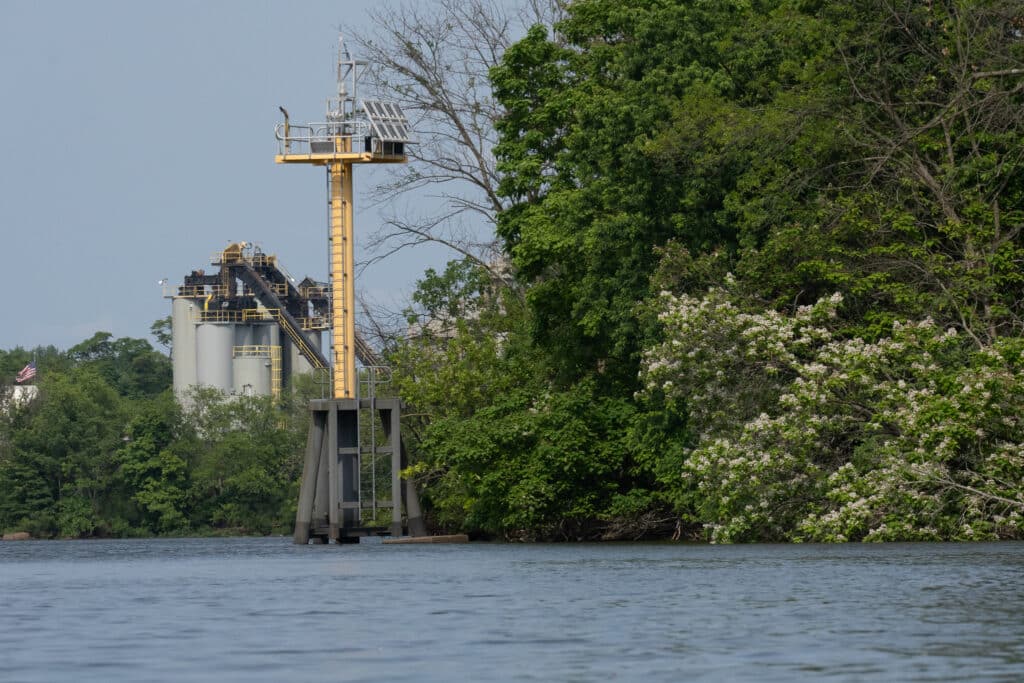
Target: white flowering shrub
(802, 435)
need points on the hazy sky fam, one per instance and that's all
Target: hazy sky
(138, 140)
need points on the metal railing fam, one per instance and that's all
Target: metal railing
(371, 380)
(247, 315)
(194, 291)
(257, 314)
(300, 341)
(315, 292)
(321, 138)
(253, 351)
(217, 316)
(269, 351)
(187, 291)
(315, 322)
(246, 255)
(279, 289)
(322, 379)
(287, 276)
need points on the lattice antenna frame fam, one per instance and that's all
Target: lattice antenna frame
(348, 71)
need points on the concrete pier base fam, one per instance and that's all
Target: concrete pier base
(331, 504)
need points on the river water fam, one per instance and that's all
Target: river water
(265, 610)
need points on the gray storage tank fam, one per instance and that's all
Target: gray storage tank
(183, 345)
(252, 373)
(214, 344)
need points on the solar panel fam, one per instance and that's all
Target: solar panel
(387, 121)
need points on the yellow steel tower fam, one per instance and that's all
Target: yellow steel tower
(332, 502)
(355, 132)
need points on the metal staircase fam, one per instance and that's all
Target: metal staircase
(266, 295)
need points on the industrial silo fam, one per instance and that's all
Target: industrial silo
(251, 371)
(214, 345)
(248, 309)
(244, 334)
(183, 345)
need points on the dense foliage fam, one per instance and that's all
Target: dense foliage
(804, 435)
(770, 279)
(105, 449)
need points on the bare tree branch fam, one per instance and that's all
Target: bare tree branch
(942, 112)
(434, 59)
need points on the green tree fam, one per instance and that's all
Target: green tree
(161, 331)
(247, 461)
(154, 465)
(906, 173)
(639, 130)
(867, 148)
(529, 467)
(105, 449)
(131, 366)
(936, 115)
(68, 438)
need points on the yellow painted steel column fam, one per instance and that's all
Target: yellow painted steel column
(350, 283)
(343, 290)
(338, 288)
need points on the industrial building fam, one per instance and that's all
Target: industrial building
(248, 326)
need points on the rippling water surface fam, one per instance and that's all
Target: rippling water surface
(265, 610)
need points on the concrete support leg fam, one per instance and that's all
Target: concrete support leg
(307, 489)
(322, 500)
(391, 418)
(333, 473)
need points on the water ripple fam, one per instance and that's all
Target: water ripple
(264, 610)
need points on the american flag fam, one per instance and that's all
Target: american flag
(27, 373)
